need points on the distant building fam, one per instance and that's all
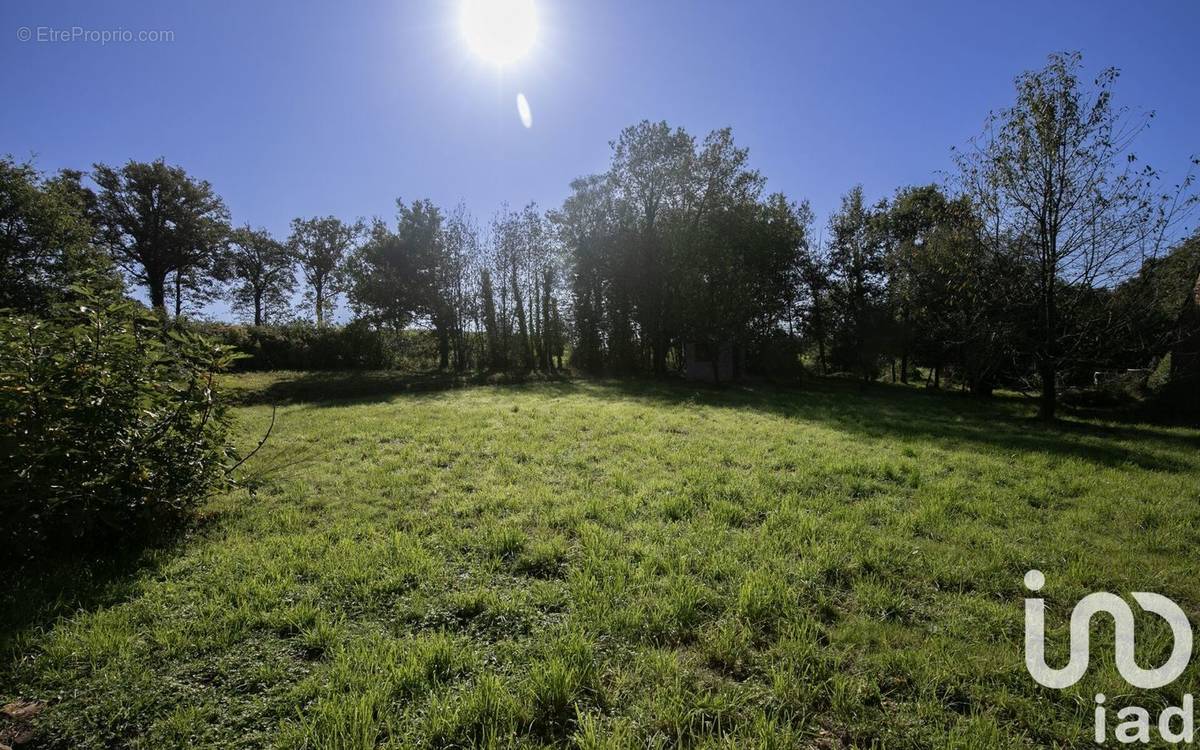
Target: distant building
(713, 364)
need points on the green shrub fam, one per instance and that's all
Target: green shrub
(302, 346)
(1160, 377)
(110, 425)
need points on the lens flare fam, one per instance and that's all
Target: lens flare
(524, 111)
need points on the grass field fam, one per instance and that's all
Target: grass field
(616, 564)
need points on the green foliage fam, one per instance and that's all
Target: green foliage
(1064, 195)
(321, 246)
(392, 277)
(676, 244)
(302, 346)
(1160, 377)
(858, 286)
(261, 270)
(44, 235)
(111, 426)
(161, 226)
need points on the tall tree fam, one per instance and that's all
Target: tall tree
(420, 230)
(641, 236)
(949, 297)
(158, 224)
(650, 164)
(262, 272)
(417, 275)
(321, 246)
(495, 355)
(1056, 177)
(586, 227)
(521, 250)
(1149, 306)
(458, 301)
(45, 235)
(858, 289)
(382, 279)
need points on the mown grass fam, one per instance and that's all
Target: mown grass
(615, 564)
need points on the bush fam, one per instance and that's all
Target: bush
(110, 424)
(1160, 375)
(303, 346)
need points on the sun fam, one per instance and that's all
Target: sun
(499, 31)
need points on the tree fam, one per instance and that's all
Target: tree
(736, 284)
(644, 241)
(913, 216)
(433, 265)
(648, 173)
(858, 284)
(159, 223)
(418, 275)
(1185, 355)
(951, 299)
(457, 301)
(495, 354)
(813, 305)
(520, 254)
(45, 236)
(263, 274)
(586, 226)
(1056, 178)
(382, 279)
(321, 246)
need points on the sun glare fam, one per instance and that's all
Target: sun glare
(499, 31)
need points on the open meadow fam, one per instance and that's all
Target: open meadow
(549, 375)
(621, 564)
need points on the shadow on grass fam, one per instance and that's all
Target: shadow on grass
(340, 388)
(882, 411)
(62, 582)
(38, 594)
(877, 411)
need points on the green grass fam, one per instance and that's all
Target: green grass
(605, 564)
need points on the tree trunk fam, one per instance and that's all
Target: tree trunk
(443, 337)
(904, 367)
(158, 292)
(317, 292)
(1046, 362)
(547, 327)
(257, 307)
(522, 327)
(1048, 402)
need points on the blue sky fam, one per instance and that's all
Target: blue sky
(303, 108)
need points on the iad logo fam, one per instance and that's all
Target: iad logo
(1081, 619)
(1137, 726)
